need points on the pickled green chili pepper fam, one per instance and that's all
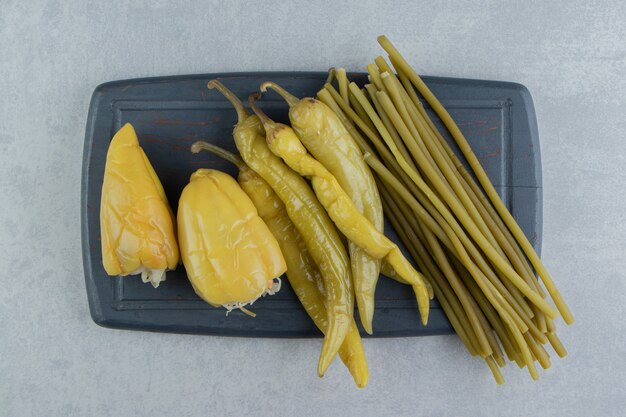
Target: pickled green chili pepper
(308, 215)
(282, 141)
(324, 135)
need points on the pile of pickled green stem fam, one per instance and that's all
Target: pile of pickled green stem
(460, 234)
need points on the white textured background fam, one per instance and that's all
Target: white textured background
(54, 361)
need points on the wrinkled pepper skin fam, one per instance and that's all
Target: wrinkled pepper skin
(137, 225)
(230, 255)
(325, 137)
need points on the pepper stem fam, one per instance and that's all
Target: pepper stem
(331, 76)
(221, 152)
(242, 113)
(268, 124)
(248, 312)
(286, 95)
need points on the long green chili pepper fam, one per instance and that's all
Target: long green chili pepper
(324, 135)
(282, 140)
(308, 215)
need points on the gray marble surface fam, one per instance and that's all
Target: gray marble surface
(54, 361)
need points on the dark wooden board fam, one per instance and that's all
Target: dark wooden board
(170, 113)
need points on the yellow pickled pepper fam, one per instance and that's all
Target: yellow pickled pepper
(230, 255)
(137, 224)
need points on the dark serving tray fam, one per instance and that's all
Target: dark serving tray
(170, 113)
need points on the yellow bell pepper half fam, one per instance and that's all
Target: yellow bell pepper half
(230, 255)
(137, 224)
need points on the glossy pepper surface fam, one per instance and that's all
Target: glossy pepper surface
(319, 233)
(325, 137)
(136, 222)
(230, 255)
(284, 142)
(303, 274)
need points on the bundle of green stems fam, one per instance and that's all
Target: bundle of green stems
(458, 231)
